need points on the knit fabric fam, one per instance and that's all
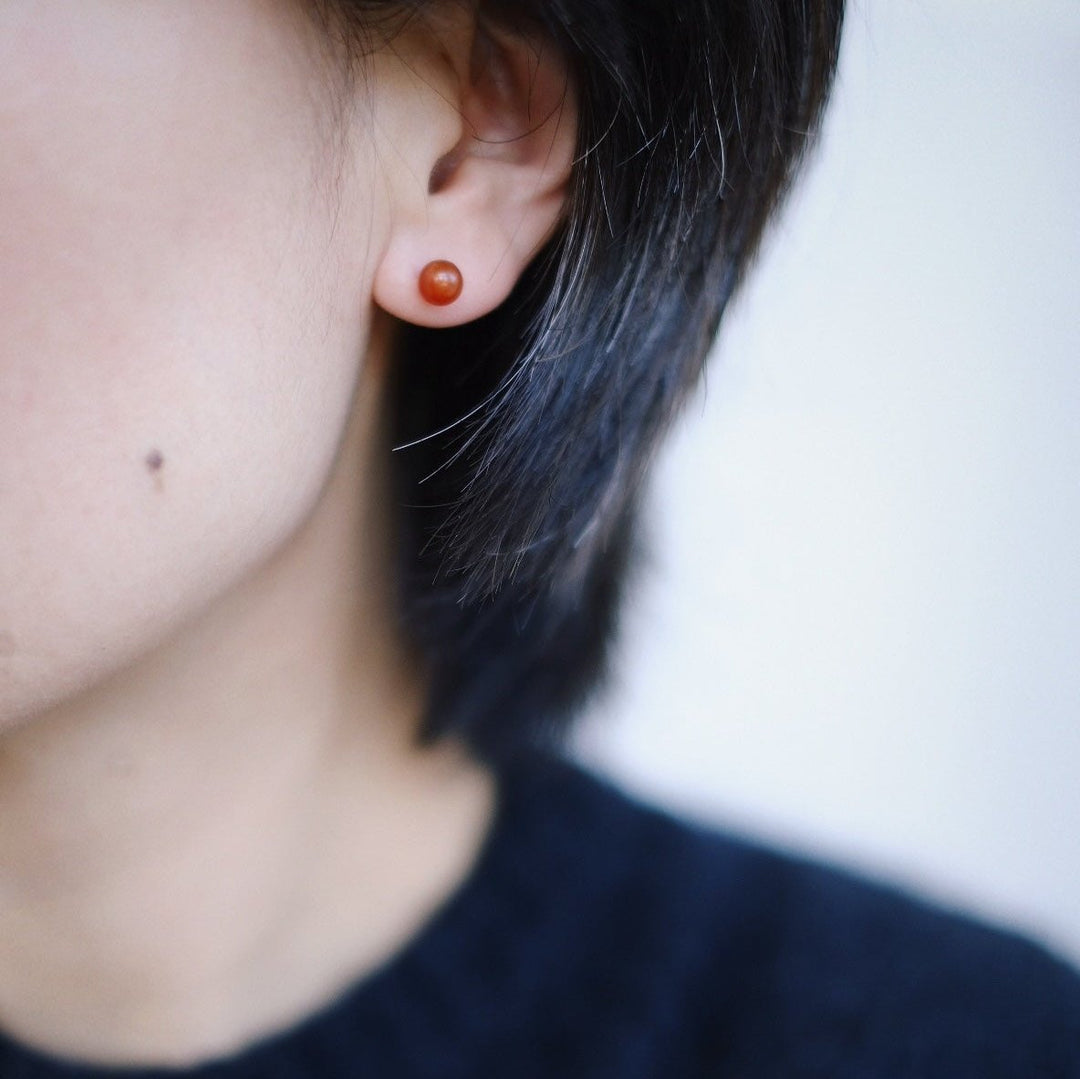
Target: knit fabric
(599, 938)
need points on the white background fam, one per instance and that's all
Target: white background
(859, 631)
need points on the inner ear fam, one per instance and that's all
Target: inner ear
(513, 104)
(444, 168)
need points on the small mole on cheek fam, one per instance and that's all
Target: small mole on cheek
(155, 461)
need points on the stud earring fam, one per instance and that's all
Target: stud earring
(440, 282)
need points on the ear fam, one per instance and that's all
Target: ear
(483, 169)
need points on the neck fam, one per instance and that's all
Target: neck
(218, 840)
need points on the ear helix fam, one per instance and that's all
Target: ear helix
(440, 282)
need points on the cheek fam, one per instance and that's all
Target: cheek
(141, 480)
(177, 355)
(147, 467)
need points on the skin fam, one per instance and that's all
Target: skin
(213, 814)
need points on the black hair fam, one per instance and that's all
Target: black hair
(523, 437)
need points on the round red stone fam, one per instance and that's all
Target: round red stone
(440, 282)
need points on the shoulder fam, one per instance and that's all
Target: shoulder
(772, 965)
(862, 979)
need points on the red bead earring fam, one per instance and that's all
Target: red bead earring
(440, 282)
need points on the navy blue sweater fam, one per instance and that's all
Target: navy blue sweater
(596, 937)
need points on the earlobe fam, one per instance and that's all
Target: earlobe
(492, 201)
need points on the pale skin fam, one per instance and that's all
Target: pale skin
(213, 811)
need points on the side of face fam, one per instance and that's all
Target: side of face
(180, 311)
(202, 210)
